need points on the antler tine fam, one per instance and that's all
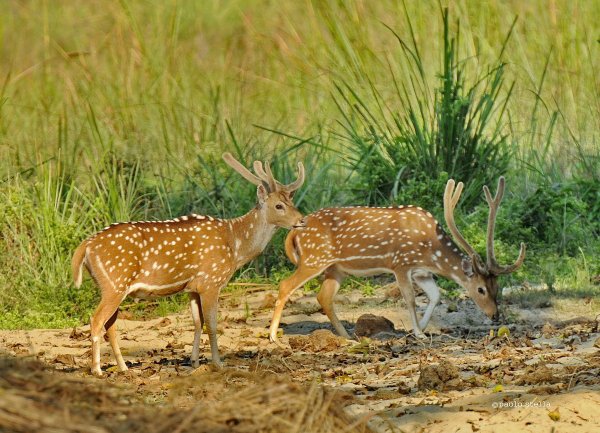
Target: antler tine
(451, 197)
(239, 167)
(277, 184)
(499, 270)
(494, 204)
(291, 187)
(267, 176)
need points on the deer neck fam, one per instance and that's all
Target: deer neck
(448, 259)
(250, 234)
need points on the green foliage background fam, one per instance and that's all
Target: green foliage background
(119, 110)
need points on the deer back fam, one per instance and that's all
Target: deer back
(376, 239)
(160, 258)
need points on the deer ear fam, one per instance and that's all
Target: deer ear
(467, 267)
(262, 194)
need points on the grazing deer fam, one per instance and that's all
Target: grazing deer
(405, 241)
(196, 254)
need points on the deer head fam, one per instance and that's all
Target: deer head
(482, 278)
(274, 198)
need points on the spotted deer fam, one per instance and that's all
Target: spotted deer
(405, 241)
(195, 254)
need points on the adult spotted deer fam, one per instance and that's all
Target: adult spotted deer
(406, 241)
(196, 254)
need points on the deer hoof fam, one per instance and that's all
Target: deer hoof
(277, 342)
(420, 335)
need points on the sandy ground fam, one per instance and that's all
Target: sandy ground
(544, 376)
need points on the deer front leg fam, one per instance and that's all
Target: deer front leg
(428, 285)
(197, 317)
(406, 288)
(286, 288)
(209, 304)
(329, 288)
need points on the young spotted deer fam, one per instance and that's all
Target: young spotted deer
(406, 241)
(196, 254)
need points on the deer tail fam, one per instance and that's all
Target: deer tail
(292, 249)
(77, 263)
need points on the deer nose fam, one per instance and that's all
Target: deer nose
(496, 317)
(301, 223)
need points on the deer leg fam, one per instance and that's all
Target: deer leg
(198, 319)
(286, 288)
(209, 306)
(329, 288)
(427, 283)
(108, 306)
(406, 288)
(111, 331)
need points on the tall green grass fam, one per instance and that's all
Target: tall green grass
(119, 110)
(454, 127)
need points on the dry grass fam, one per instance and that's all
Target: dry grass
(35, 398)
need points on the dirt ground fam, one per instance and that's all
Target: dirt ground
(543, 376)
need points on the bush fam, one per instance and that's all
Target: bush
(456, 132)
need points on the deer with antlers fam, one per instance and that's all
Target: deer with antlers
(405, 241)
(195, 254)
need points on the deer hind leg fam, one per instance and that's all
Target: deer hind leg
(427, 283)
(198, 318)
(111, 331)
(286, 288)
(209, 307)
(109, 304)
(329, 288)
(406, 288)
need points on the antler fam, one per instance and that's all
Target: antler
(267, 175)
(451, 197)
(291, 187)
(264, 175)
(237, 166)
(494, 203)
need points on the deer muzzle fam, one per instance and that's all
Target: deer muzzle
(300, 224)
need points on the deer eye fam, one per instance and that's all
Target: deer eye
(481, 291)
(279, 206)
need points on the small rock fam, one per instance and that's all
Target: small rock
(66, 359)
(343, 300)
(164, 322)
(399, 348)
(393, 292)
(573, 340)
(554, 343)
(368, 325)
(548, 330)
(571, 361)
(439, 377)
(403, 388)
(321, 340)
(385, 336)
(268, 301)
(541, 374)
(78, 335)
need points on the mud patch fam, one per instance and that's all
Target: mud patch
(321, 340)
